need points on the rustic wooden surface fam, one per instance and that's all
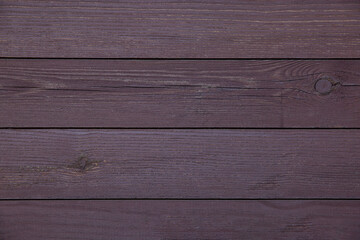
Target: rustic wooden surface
(186, 29)
(179, 164)
(180, 120)
(114, 93)
(180, 220)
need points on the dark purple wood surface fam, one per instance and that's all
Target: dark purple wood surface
(179, 164)
(180, 29)
(180, 220)
(114, 93)
(82, 139)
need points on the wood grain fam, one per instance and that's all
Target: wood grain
(186, 29)
(138, 94)
(180, 220)
(80, 164)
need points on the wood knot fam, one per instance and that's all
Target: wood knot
(324, 86)
(83, 164)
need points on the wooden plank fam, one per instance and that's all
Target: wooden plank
(210, 220)
(179, 164)
(186, 29)
(132, 94)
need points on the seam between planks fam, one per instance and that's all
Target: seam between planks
(179, 128)
(180, 199)
(180, 59)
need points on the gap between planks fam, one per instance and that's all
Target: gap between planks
(181, 59)
(179, 199)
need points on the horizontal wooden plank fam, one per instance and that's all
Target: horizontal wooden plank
(210, 220)
(179, 164)
(186, 29)
(118, 93)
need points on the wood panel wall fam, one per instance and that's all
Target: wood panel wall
(180, 120)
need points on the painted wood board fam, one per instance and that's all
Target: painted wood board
(179, 94)
(208, 163)
(186, 29)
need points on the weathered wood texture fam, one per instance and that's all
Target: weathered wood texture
(179, 164)
(186, 29)
(114, 93)
(165, 220)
